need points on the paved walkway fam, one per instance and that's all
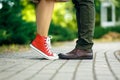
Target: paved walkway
(30, 66)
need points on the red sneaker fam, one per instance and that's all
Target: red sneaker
(42, 45)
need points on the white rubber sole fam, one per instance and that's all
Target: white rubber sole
(42, 54)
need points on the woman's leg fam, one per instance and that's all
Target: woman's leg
(41, 44)
(44, 11)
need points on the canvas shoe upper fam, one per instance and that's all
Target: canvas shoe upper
(42, 46)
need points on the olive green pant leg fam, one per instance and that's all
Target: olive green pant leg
(85, 15)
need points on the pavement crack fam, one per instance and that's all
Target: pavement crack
(19, 71)
(108, 63)
(58, 70)
(9, 67)
(93, 66)
(115, 54)
(75, 72)
(30, 78)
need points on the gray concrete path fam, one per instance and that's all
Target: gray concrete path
(30, 66)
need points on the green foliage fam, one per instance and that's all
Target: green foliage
(100, 31)
(60, 33)
(97, 10)
(13, 29)
(64, 15)
(17, 22)
(24, 34)
(116, 2)
(28, 12)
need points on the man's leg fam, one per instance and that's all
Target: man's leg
(85, 13)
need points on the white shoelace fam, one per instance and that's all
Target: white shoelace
(48, 44)
(48, 41)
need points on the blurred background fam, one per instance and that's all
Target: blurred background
(18, 26)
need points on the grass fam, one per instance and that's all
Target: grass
(110, 37)
(13, 48)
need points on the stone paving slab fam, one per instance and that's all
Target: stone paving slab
(31, 66)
